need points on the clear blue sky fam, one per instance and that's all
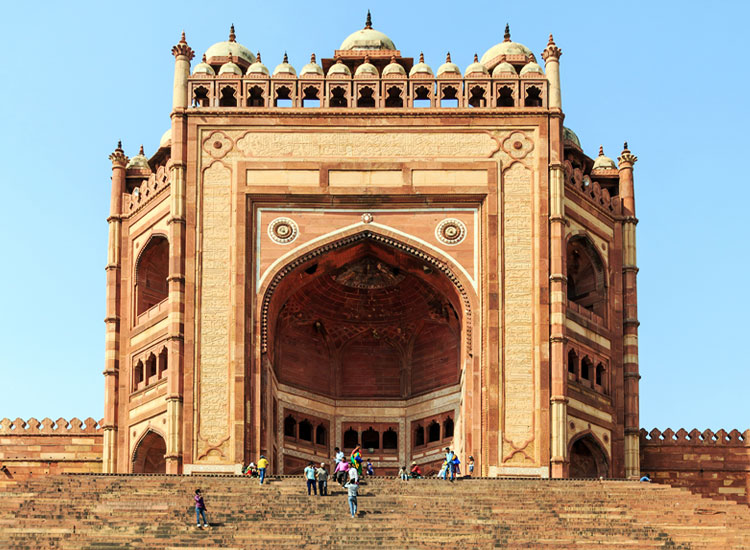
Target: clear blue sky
(668, 77)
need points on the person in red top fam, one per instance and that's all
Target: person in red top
(416, 471)
(200, 510)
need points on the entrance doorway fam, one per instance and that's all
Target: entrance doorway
(588, 459)
(149, 455)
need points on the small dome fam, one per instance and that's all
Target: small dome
(284, 68)
(139, 162)
(166, 139)
(339, 68)
(570, 135)
(257, 68)
(366, 69)
(604, 163)
(312, 68)
(203, 67)
(367, 39)
(230, 48)
(503, 68)
(506, 47)
(531, 68)
(476, 67)
(421, 68)
(448, 68)
(394, 68)
(230, 68)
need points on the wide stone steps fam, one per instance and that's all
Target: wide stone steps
(107, 512)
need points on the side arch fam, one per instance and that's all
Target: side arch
(588, 457)
(148, 455)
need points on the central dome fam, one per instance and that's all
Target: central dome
(230, 48)
(491, 57)
(367, 39)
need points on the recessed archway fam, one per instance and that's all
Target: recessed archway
(587, 458)
(148, 457)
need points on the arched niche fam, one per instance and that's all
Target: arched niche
(587, 458)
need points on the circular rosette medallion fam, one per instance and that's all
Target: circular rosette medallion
(450, 231)
(282, 230)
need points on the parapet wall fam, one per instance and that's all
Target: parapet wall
(712, 464)
(30, 448)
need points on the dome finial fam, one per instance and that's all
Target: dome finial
(393, 59)
(368, 21)
(232, 36)
(204, 58)
(625, 147)
(286, 58)
(312, 58)
(421, 57)
(119, 145)
(140, 151)
(367, 58)
(601, 151)
(448, 57)
(476, 58)
(182, 38)
(257, 57)
(507, 33)
(551, 40)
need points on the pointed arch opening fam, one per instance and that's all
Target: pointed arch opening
(587, 281)
(588, 459)
(151, 273)
(149, 454)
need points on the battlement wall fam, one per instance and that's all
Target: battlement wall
(712, 464)
(30, 448)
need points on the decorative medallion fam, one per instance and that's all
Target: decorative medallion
(367, 218)
(217, 144)
(450, 231)
(283, 230)
(518, 145)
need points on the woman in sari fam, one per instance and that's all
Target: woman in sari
(356, 460)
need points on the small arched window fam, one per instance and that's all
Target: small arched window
(228, 97)
(255, 97)
(366, 98)
(572, 362)
(151, 274)
(505, 97)
(422, 97)
(351, 438)
(137, 374)
(283, 97)
(600, 370)
(448, 427)
(533, 97)
(587, 368)
(163, 362)
(338, 97)
(151, 369)
(586, 277)
(390, 439)
(321, 435)
(311, 97)
(200, 97)
(305, 431)
(478, 97)
(370, 439)
(394, 98)
(290, 426)
(419, 436)
(433, 432)
(450, 97)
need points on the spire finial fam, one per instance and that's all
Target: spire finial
(257, 57)
(312, 58)
(119, 145)
(421, 57)
(393, 59)
(368, 21)
(601, 151)
(448, 57)
(551, 40)
(367, 58)
(140, 151)
(476, 58)
(507, 33)
(625, 147)
(204, 58)
(232, 36)
(182, 38)
(286, 58)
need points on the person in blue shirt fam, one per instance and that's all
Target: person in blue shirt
(450, 466)
(310, 477)
(646, 478)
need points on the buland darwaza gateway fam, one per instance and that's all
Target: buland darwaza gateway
(367, 251)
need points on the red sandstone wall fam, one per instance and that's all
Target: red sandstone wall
(715, 465)
(49, 447)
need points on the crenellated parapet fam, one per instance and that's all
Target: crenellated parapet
(695, 437)
(147, 190)
(61, 426)
(590, 190)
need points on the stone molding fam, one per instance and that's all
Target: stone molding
(50, 427)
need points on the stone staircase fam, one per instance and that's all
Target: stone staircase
(100, 512)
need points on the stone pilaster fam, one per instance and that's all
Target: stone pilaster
(176, 280)
(551, 56)
(630, 322)
(112, 319)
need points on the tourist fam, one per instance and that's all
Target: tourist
(262, 465)
(416, 471)
(310, 477)
(339, 455)
(356, 460)
(200, 510)
(443, 470)
(646, 478)
(403, 473)
(450, 467)
(322, 475)
(471, 465)
(370, 470)
(456, 465)
(353, 474)
(251, 470)
(353, 487)
(341, 473)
